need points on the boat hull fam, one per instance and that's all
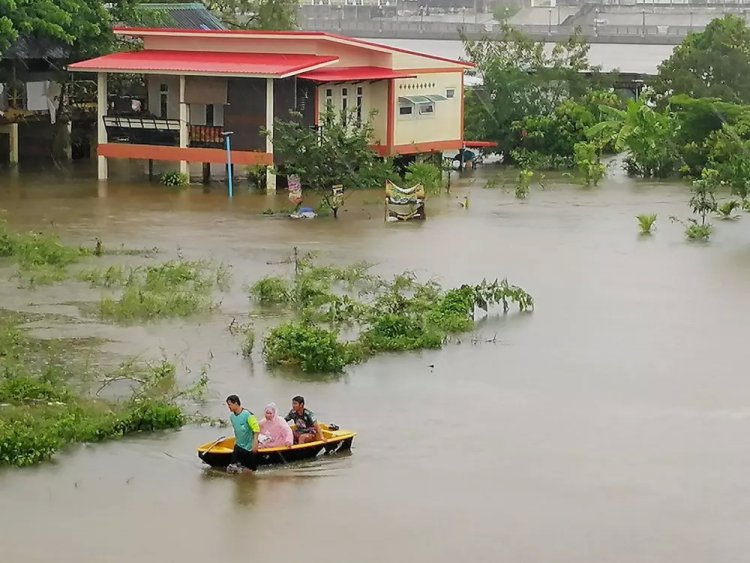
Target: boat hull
(219, 454)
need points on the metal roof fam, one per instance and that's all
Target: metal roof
(353, 74)
(186, 15)
(205, 63)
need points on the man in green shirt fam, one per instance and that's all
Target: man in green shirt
(246, 431)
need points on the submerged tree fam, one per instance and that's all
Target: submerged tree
(337, 153)
(521, 78)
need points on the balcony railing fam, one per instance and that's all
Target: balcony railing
(142, 130)
(206, 136)
(156, 131)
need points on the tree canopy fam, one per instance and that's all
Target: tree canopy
(521, 78)
(84, 25)
(337, 153)
(714, 63)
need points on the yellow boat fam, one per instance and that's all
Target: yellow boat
(219, 452)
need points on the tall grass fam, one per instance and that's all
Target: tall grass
(178, 288)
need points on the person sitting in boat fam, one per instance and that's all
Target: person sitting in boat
(246, 433)
(307, 427)
(274, 430)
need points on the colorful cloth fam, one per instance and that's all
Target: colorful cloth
(276, 429)
(245, 426)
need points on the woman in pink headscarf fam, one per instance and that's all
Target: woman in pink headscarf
(274, 430)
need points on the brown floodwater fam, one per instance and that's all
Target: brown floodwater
(608, 426)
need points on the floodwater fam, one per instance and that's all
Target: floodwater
(610, 425)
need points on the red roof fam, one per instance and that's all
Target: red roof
(479, 144)
(332, 37)
(205, 62)
(353, 73)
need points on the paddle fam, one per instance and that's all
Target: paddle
(201, 454)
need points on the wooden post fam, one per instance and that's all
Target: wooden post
(150, 169)
(206, 172)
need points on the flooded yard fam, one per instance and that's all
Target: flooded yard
(609, 425)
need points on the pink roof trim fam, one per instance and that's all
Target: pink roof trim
(205, 62)
(142, 31)
(353, 73)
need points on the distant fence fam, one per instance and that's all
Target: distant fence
(393, 29)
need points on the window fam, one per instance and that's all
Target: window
(163, 100)
(344, 105)
(450, 93)
(405, 110)
(209, 114)
(427, 109)
(360, 96)
(329, 98)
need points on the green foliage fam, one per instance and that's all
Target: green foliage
(588, 163)
(175, 179)
(270, 290)
(41, 257)
(273, 15)
(523, 182)
(384, 315)
(726, 209)
(334, 154)
(427, 174)
(532, 98)
(311, 348)
(256, 175)
(646, 223)
(703, 200)
(48, 402)
(714, 63)
(178, 288)
(646, 134)
(695, 231)
(540, 161)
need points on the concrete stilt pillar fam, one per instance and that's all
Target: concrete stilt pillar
(12, 131)
(270, 176)
(101, 108)
(184, 131)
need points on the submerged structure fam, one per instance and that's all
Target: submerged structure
(204, 85)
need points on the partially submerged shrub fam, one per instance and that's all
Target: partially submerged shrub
(522, 183)
(175, 179)
(646, 223)
(42, 258)
(425, 173)
(727, 209)
(311, 348)
(270, 290)
(47, 403)
(178, 288)
(696, 231)
(396, 315)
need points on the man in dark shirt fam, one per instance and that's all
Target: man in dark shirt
(307, 427)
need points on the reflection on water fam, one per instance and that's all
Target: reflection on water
(608, 425)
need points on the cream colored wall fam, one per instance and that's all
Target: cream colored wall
(374, 99)
(173, 94)
(445, 124)
(349, 55)
(403, 61)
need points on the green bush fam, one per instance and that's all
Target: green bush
(175, 179)
(646, 223)
(425, 173)
(270, 290)
(178, 288)
(311, 348)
